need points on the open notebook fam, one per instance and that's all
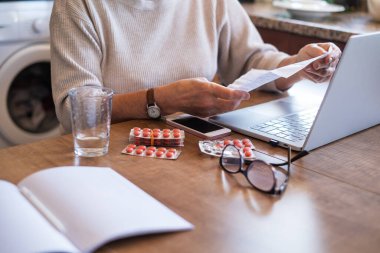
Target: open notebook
(78, 209)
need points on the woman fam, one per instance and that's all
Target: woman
(173, 46)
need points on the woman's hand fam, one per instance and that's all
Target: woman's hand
(198, 96)
(322, 69)
(318, 71)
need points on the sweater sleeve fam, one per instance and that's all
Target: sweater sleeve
(75, 55)
(241, 47)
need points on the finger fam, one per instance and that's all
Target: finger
(228, 105)
(335, 57)
(229, 94)
(322, 72)
(221, 106)
(314, 50)
(320, 49)
(331, 60)
(334, 54)
(312, 77)
(326, 46)
(319, 67)
(320, 64)
(316, 78)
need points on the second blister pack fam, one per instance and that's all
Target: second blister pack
(215, 148)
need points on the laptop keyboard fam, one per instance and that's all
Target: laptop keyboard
(293, 127)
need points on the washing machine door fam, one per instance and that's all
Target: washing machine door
(27, 110)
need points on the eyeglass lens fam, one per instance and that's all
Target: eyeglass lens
(231, 159)
(259, 173)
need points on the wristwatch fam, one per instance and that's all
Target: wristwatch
(154, 112)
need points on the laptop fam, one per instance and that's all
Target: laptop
(351, 103)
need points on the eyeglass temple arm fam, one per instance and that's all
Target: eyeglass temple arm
(290, 160)
(288, 163)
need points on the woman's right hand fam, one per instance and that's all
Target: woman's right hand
(198, 96)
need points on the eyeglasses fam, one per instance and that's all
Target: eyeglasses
(264, 176)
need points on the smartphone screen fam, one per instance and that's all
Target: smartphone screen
(197, 124)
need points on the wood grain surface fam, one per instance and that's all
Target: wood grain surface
(332, 202)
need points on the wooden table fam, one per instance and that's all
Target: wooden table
(332, 203)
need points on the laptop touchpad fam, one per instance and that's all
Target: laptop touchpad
(274, 109)
(280, 108)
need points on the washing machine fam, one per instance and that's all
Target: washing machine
(27, 110)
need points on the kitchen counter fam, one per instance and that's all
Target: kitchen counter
(337, 27)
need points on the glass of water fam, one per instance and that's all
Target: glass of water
(91, 108)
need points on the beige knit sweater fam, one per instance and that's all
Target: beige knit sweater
(129, 45)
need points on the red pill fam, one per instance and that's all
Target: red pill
(166, 130)
(176, 130)
(176, 135)
(219, 145)
(166, 135)
(151, 148)
(136, 129)
(159, 153)
(146, 134)
(236, 141)
(248, 154)
(130, 150)
(139, 151)
(149, 152)
(147, 130)
(246, 149)
(142, 147)
(156, 134)
(226, 142)
(173, 150)
(133, 146)
(248, 144)
(161, 149)
(245, 141)
(169, 154)
(238, 145)
(136, 132)
(156, 130)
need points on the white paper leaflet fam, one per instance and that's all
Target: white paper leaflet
(258, 77)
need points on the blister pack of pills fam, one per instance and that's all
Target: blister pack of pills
(215, 148)
(157, 137)
(151, 151)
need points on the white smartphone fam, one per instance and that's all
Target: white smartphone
(198, 126)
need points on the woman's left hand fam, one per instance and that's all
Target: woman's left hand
(322, 69)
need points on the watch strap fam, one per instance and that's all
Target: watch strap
(150, 97)
(153, 111)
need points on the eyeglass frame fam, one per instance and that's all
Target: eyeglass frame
(249, 163)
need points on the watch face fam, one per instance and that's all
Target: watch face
(154, 112)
